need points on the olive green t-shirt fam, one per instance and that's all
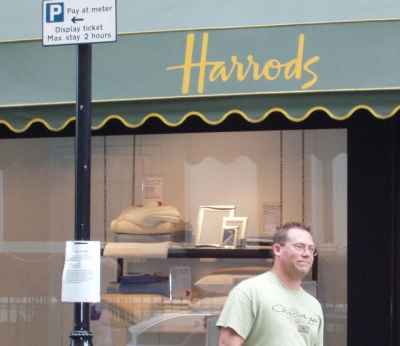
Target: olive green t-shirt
(266, 313)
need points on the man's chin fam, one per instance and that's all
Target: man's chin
(303, 270)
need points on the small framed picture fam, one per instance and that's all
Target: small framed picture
(209, 223)
(229, 236)
(238, 223)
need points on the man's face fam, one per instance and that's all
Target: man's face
(296, 256)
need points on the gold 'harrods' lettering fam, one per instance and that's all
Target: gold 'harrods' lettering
(223, 71)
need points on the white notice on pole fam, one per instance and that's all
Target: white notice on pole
(81, 274)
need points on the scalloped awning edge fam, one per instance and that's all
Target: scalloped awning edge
(168, 121)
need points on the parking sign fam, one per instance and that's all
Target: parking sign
(78, 21)
(55, 12)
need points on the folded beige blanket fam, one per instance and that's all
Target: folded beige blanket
(125, 227)
(138, 250)
(148, 220)
(151, 216)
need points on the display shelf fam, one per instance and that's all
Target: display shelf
(206, 252)
(216, 252)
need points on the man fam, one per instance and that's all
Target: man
(272, 309)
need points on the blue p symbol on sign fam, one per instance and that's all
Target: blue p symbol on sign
(55, 12)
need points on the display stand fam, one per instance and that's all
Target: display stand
(206, 252)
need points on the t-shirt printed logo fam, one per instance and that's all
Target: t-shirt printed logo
(303, 321)
(303, 329)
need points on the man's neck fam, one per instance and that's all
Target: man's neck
(288, 281)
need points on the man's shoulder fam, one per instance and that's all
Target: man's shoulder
(248, 290)
(255, 282)
(312, 301)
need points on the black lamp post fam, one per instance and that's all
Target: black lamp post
(81, 335)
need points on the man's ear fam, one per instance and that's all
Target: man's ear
(276, 249)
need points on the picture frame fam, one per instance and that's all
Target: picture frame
(210, 222)
(240, 222)
(229, 236)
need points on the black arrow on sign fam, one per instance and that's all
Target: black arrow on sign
(74, 20)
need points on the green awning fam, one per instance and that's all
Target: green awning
(213, 111)
(296, 70)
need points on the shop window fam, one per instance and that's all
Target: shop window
(269, 177)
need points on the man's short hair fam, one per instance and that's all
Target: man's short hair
(281, 234)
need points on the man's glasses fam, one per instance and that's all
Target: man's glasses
(303, 248)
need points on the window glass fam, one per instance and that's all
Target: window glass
(269, 177)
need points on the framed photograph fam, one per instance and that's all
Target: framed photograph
(240, 222)
(229, 236)
(209, 223)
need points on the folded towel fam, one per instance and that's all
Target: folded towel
(142, 279)
(148, 220)
(140, 250)
(151, 288)
(151, 216)
(176, 237)
(126, 227)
